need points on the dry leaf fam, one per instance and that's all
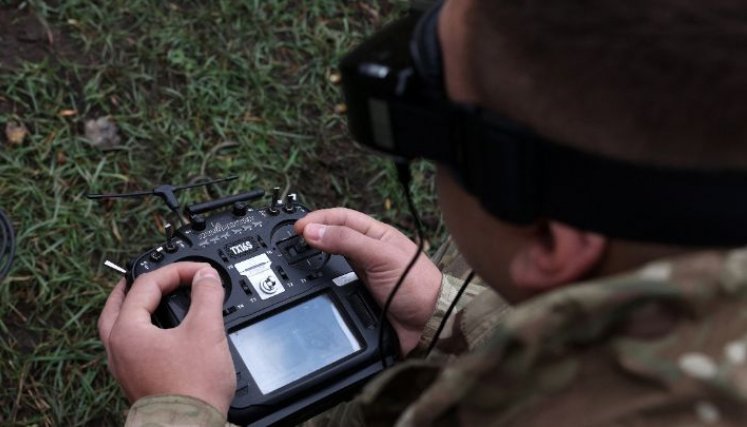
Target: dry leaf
(15, 132)
(371, 11)
(61, 158)
(335, 78)
(251, 118)
(341, 109)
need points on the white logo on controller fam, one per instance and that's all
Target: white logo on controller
(258, 270)
(241, 247)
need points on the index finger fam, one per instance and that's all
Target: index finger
(110, 312)
(148, 290)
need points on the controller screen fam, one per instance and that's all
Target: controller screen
(294, 343)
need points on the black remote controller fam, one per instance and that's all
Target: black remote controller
(303, 331)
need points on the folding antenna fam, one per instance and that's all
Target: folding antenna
(165, 191)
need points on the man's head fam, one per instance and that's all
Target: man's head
(654, 82)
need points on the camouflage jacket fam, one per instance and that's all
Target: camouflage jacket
(665, 345)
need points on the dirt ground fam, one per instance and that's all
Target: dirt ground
(22, 37)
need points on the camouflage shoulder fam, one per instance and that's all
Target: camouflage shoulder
(663, 345)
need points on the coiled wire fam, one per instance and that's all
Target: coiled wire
(7, 245)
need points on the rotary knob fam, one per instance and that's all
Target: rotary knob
(240, 208)
(198, 222)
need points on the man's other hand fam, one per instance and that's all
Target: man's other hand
(191, 359)
(379, 254)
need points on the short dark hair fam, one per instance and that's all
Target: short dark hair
(657, 81)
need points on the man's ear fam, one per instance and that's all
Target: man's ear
(558, 254)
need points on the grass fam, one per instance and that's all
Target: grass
(197, 89)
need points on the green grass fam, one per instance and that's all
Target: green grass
(197, 89)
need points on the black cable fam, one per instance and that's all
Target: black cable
(441, 325)
(4, 238)
(403, 174)
(7, 245)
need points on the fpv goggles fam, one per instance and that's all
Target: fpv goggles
(396, 102)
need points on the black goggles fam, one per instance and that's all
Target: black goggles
(396, 102)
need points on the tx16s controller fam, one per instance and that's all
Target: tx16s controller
(303, 331)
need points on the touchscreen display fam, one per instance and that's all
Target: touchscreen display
(293, 343)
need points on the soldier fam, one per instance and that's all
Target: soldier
(629, 300)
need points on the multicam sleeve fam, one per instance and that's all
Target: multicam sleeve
(173, 410)
(449, 289)
(455, 271)
(472, 318)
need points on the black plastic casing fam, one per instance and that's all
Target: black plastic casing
(304, 276)
(395, 106)
(379, 79)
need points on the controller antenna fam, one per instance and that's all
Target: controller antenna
(165, 191)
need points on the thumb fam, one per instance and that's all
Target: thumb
(207, 295)
(363, 250)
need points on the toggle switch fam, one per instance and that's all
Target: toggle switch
(273, 208)
(170, 246)
(290, 203)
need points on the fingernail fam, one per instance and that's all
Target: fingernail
(206, 273)
(314, 232)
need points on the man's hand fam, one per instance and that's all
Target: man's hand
(191, 359)
(379, 253)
